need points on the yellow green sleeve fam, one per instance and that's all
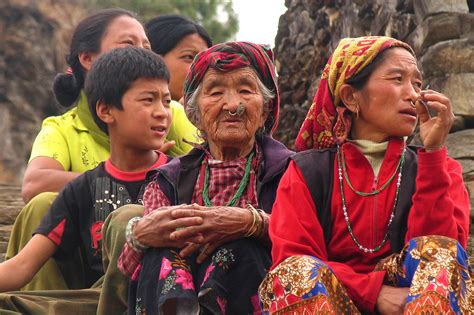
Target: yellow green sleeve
(65, 139)
(181, 128)
(51, 142)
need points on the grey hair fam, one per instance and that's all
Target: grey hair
(194, 115)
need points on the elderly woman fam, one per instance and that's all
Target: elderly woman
(378, 226)
(203, 235)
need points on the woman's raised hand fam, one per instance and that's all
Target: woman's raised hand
(434, 130)
(220, 225)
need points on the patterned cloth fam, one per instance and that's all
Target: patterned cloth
(226, 282)
(230, 56)
(304, 284)
(328, 120)
(435, 268)
(224, 180)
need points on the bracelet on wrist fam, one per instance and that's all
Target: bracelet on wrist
(257, 222)
(130, 237)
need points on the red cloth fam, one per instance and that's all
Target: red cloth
(229, 56)
(440, 207)
(224, 179)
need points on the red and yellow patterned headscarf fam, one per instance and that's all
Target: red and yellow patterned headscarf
(230, 56)
(328, 121)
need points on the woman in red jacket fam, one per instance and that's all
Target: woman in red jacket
(378, 226)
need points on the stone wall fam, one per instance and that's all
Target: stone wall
(33, 43)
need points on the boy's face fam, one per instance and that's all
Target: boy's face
(145, 119)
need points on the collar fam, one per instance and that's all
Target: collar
(86, 122)
(133, 176)
(391, 155)
(275, 159)
(368, 147)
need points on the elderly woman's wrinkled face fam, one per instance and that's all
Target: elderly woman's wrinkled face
(385, 100)
(221, 95)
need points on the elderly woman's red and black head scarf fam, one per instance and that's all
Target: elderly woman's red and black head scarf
(230, 56)
(328, 121)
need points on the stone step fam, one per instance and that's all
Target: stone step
(4, 236)
(10, 203)
(3, 249)
(5, 231)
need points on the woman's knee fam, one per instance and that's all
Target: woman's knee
(114, 226)
(119, 218)
(294, 269)
(38, 206)
(296, 275)
(432, 243)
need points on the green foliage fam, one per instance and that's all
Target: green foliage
(217, 16)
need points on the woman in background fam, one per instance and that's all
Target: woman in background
(178, 40)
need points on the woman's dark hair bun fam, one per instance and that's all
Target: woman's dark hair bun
(65, 89)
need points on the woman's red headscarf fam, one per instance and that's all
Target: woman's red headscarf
(230, 56)
(328, 121)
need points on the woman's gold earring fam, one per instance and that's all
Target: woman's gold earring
(357, 111)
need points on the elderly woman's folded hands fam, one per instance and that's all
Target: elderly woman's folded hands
(155, 229)
(219, 225)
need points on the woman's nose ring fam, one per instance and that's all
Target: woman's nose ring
(239, 111)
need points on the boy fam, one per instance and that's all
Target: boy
(128, 92)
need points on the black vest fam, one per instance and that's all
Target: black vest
(317, 168)
(178, 177)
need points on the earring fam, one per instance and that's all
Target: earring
(357, 111)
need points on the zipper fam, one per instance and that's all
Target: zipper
(374, 213)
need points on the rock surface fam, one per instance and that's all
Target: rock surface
(10, 204)
(33, 42)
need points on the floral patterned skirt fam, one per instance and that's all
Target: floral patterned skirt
(226, 283)
(435, 268)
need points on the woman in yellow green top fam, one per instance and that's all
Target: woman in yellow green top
(72, 143)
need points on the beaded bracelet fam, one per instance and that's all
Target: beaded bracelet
(130, 237)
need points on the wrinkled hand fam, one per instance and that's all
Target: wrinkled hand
(220, 225)
(391, 300)
(155, 229)
(434, 130)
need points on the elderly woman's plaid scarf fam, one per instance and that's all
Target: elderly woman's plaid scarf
(234, 55)
(328, 120)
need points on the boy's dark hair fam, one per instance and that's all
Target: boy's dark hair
(112, 74)
(87, 37)
(165, 31)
